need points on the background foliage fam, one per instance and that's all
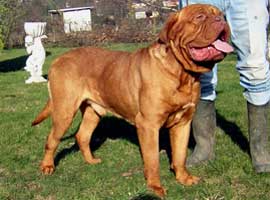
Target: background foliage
(13, 14)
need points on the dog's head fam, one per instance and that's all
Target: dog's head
(198, 36)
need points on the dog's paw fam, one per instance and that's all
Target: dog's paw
(158, 190)
(188, 180)
(47, 169)
(93, 161)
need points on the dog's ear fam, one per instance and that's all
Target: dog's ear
(164, 33)
(170, 29)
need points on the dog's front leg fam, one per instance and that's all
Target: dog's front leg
(179, 137)
(148, 134)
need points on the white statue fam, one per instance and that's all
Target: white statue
(34, 47)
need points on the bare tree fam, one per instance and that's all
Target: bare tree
(10, 16)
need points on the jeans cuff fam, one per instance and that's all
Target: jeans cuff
(257, 98)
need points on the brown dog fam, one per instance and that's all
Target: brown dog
(154, 87)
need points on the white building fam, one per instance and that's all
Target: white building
(75, 19)
(171, 3)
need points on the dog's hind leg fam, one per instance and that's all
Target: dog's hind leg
(57, 131)
(62, 117)
(83, 137)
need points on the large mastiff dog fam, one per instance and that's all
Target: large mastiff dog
(154, 87)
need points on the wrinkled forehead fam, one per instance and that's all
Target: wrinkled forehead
(195, 9)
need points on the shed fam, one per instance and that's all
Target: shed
(75, 19)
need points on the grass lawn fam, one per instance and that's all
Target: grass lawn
(120, 175)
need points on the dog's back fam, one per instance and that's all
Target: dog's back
(110, 79)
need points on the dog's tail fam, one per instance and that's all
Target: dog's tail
(45, 113)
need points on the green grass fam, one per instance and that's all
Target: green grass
(120, 175)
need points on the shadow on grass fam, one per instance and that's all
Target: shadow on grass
(146, 197)
(232, 130)
(15, 64)
(235, 133)
(115, 128)
(112, 128)
(108, 127)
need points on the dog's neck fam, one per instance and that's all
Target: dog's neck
(170, 62)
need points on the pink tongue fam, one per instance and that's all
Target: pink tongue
(222, 46)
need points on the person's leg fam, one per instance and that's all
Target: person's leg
(204, 121)
(217, 3)
(248, 21)
(258, 118)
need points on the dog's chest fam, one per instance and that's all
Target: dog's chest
(184, 102)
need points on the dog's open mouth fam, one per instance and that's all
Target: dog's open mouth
(216, 50)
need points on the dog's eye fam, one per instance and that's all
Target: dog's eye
(200, 17)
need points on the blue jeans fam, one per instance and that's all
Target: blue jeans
(248, 20)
